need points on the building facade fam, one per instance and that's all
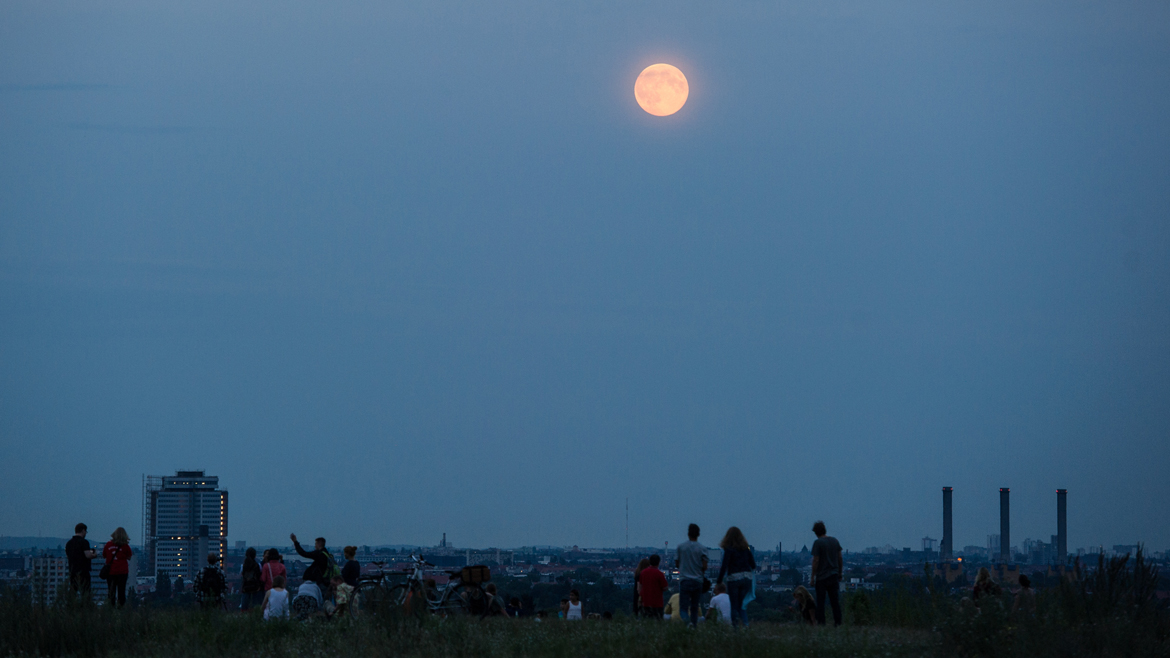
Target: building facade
(185, 516)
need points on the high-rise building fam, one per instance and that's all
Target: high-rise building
(176, 510)
(946, 548)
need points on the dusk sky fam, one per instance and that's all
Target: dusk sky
(393, 269)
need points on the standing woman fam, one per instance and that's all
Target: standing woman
(638, 585)
(272, 568)
(738, 565)
(352, 571)
(117, 554)
(251, 581)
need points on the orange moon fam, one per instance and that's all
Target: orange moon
(661, 89)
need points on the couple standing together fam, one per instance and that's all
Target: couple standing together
(735, 574)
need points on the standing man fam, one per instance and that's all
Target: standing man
(80, 555)
(653, 584)
(691, 561)
(827, 567)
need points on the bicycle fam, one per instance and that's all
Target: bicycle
(379, 592)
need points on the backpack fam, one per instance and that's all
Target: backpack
(250, 578)
(331, 569)
(211, 582)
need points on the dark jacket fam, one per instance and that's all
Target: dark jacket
(734, 561)
(316, 570)
(351, 572)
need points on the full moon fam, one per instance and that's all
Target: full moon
(661, 89)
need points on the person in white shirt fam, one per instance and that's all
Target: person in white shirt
(721, 603)
(574, 611)
(275, 603)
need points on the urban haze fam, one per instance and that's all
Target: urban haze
(393, 270)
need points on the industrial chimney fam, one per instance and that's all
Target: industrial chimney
(1005, 532)
(945, 549)
(1061, 526)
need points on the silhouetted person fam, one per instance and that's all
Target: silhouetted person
(645, 562)
(738, 565)
(81, 556)
(827, 567)
(210, 584)
(117, 553)
(352, 571)
(691, 561)
(251, 581)
(1025, 602)
(805, 605)
(652, 583)
(984, 586)
(271, 568)
(318, 571)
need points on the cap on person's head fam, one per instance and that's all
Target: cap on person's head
(693, 531)
(819, 528)
(80, 527)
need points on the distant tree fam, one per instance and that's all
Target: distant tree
(162, 585)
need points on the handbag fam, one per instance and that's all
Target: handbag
(104, 574)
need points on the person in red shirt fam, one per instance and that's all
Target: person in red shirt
(652, 584)
(117, 554)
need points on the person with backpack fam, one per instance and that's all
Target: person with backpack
(272, 567)
(251, 581)
(210, 584)
(323, 568)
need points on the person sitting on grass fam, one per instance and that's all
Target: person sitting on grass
(342, 595)
(495, 603)
(984, 586)
(805, 605)
(275, 604)
(720, 605)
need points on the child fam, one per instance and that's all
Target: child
(275, 603)
(574, 611)
(342, 595)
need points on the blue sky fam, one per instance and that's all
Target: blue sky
(398, 269)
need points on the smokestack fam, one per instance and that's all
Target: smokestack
(1061, 526)
(944, 549)
(1005, 531)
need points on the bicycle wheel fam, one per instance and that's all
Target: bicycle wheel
(465, 599)
(372, 598)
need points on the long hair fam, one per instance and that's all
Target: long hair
(641, 565)
(734, 539)
(984, 575)
(801, 594)
(119, 537)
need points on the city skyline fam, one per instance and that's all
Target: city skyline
(396, 269)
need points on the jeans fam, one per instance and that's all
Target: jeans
(117, 584)
(80, 582)
(249, 599)
(829, 585)
(689, 592)
(736, 591)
